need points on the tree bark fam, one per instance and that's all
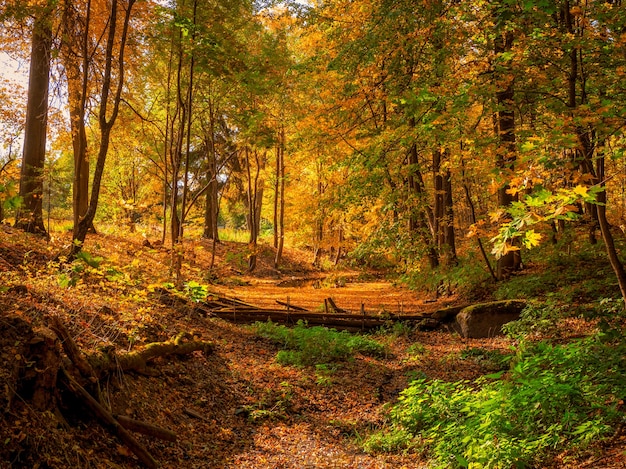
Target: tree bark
(75, 55)
(279, 220)
(504, 121)
(105, 122)
(30, 214)
(421, 219)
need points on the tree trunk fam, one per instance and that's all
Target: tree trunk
(105, 122)
(318, 235)
(421, 219)
(30, 214)
(279, 228)
(211, 212)
(607, 237)
(448, 217)
(504, 121)
(255, 202)
(75, 54)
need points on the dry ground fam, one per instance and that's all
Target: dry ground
(236, 407)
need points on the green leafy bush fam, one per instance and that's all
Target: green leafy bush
(315, 345)
(552, 398)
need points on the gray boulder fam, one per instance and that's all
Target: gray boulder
(486, 319)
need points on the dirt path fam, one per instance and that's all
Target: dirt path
(236, 407)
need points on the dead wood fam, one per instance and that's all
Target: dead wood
(290, 306)
(334, 306)
(194, 414)
(71, 349)
(145, 428)
(109, 360)
(105, 416)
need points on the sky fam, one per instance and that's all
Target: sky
(12, 70)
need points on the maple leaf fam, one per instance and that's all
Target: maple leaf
(531, 239)
(581, 191)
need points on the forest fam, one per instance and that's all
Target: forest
(312, 234)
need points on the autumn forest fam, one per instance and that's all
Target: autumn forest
(312, 234)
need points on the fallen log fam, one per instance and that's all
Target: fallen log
(291, 307)
(145, 428)
(334, 306)
(109, 360)
(99, 411)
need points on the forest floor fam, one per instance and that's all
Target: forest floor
(235, 407)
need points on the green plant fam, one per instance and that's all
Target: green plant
(537, 319)
(553, 398)
(315, 345)
(195, 291)
(492, 360)
(274, 404)
(415, 352)
(323, 374)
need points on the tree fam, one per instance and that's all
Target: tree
(115, 46)
(30, 215)
(75, 55)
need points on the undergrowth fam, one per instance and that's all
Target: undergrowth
(303, 345)
(552, 398)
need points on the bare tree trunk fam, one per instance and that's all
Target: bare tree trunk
(211, 211)
(279, 220)
(255, 201)
(504, 123)
(105, 122)
(75, 54)
(30, 215)
(421, 219)
(318, 237)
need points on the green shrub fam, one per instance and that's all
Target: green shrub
(315, 345)
(552, 398)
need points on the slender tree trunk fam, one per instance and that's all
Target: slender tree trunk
(605, 230)
(30, 215)
(449, 237)
(105, 122)
(504, 121)
(252, 208)
(75, 54)
(421, 219)
(320, 218)
(211, 211)
(280, 219)
(276, 193)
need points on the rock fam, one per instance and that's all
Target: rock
(486, 319)
(447, 314)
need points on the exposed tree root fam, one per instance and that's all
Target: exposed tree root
(38, 368)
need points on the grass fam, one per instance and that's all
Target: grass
(304, 346)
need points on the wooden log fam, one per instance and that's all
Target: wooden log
(145, 428)
(138, 361)
(334, 306)
(195, 414)
(293, 307)
(71, 349)
(105, 416)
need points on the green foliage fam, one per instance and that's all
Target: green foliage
(88, 259)
(489, 359)
(542, 206)
(553, 397)
(195, 291)
(323, 374)
(9, 195)
(237, 259)
(469, 278)
(537, 319)
(315, 345)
